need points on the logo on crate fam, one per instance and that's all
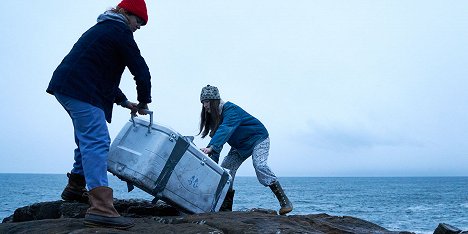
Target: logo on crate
(193, 181)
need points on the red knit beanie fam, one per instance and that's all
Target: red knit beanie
(136, 7)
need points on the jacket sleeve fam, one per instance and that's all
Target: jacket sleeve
(139, 69)
(120, 96)
(231, 120)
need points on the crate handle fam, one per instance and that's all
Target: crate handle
(150, 113)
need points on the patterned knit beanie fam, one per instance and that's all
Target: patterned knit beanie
(209, 92)
(135, 7)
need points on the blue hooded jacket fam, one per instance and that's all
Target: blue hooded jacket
(239, 129)
(92, 70)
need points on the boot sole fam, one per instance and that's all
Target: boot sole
(76, 200)
(283, 212)
(74, 196)
(101, 225)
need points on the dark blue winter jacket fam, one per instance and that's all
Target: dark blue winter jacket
(239, 129)
(92, 71)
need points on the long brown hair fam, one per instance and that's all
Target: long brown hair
(209, 122)
(120, 10)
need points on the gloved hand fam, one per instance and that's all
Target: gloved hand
(142, 108)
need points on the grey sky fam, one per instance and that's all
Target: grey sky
(345, 88)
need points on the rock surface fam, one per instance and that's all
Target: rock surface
(67, 217)
(444, 228)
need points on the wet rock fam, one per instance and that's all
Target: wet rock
(444, 228)
(67, 217)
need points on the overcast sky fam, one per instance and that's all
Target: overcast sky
(345, 88)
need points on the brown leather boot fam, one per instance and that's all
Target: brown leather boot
(75, 189)
(286, 205)
(102, 213)
(228, 200)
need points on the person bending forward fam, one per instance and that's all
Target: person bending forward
(247, 136)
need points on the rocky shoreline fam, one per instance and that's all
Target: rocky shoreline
(67, 217)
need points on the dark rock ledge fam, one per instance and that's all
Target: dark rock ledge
(67, 217)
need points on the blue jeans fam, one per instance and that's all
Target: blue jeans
(91, 138)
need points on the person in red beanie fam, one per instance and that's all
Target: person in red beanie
(86, 84)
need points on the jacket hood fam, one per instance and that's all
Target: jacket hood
(110, 15)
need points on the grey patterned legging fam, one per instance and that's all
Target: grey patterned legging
(233, 161)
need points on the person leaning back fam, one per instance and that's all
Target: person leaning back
(86, 84)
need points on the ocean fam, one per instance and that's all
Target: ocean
(416, 204)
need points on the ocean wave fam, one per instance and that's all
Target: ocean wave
(419, 208)
(407, 225)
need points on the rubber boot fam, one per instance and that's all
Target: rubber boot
(228, 200)
(75, 189)
(286, 205)
(102, 213)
